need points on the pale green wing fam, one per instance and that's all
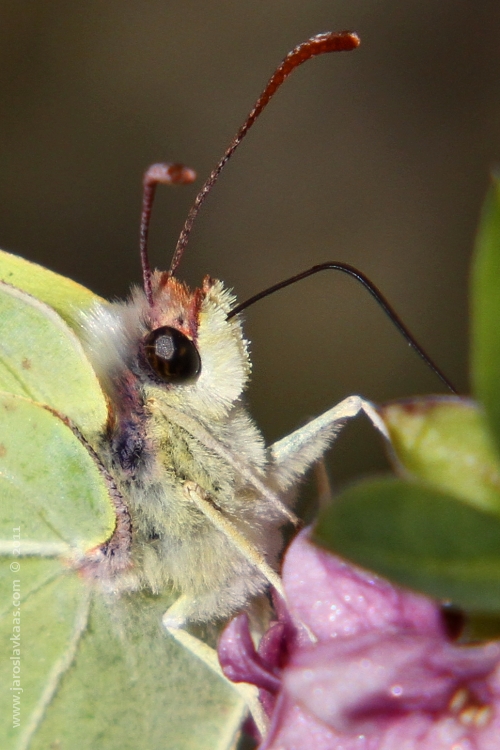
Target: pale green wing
(130, 685)
(65, 296)
(42, 359)
(96, 671)
(50, 486)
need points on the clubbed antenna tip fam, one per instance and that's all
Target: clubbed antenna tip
(316, 45)
(166, 174)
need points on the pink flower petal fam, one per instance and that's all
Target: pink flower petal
(336, 599)
(240, 661)
(368, 682)
(358, 664)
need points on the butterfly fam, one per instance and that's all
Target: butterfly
(138, 490)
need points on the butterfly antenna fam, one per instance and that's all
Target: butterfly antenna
(316, 45)
(166, 174)
(372, 289)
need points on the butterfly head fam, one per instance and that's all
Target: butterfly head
(181, 349)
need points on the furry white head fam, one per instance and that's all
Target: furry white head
(115, 334)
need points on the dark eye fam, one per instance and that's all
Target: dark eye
(171, 355)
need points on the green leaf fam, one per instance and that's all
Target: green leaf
(482, 627)
(485, 343)
(445, 441)
(418, 537)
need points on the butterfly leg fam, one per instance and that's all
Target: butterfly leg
(204, 503)
(180, 612)
(323, 485)
(173, 618)
(295, 453)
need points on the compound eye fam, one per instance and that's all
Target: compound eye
(171, 355)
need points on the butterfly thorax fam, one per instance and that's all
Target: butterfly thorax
(162, 436)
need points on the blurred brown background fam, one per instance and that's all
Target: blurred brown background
(379, 158)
